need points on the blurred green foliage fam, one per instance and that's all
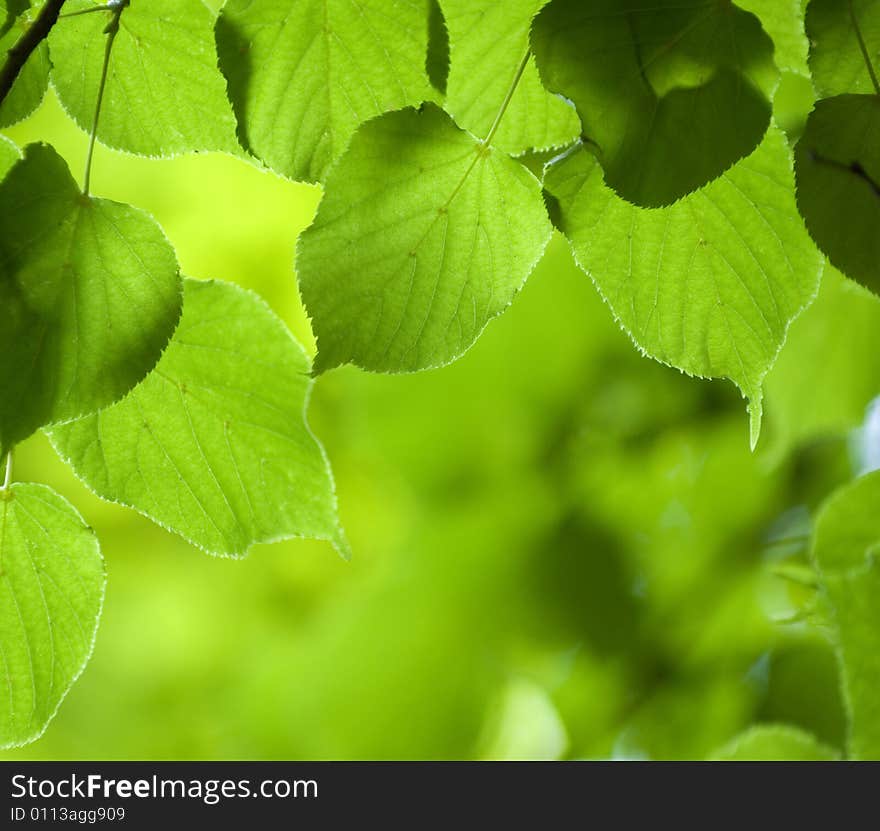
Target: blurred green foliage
(561, 549)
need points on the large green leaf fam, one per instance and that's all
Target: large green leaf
(164, 94)
(303, 74)
(838, 183)
(89, 296)
(29, 88)
(214, 444)
(423, 236)
(838, 340)
(488, 40)
(51, 592)
(708, 285)
(846, 546)
(836, 58)
(776, 743)
(671, 92)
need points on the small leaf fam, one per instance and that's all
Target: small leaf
(423, 236)
(836, 58)
(487, 43)
(214, 445)
(837, 162)
(164, 94)
(32, 82)
(783, 20)
(9, 155)
(838, 338)
(51, 591)
(846, 545)
(671, 92)
(89, 296)
(775, 743)
(708, 285)
(303, 74)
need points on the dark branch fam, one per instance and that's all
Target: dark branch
(17, 56)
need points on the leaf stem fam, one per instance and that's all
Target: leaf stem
(7, 479)
(864, 47)
(17, 56)
(111, 30)
(507, 98)
(108, 7)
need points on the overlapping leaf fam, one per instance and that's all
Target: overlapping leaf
(423, 236)
(89, 296)
(164, 93)
(671, 92)
(708, 285)
(51, 591)
(303, 74)
(783, 20)
(29, 88)
(837, 62)
(488, 40)
(838, 183)
(845, 549)
(214, 444)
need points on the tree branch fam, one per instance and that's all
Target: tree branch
(17, 56)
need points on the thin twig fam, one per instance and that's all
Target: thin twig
(7, 479)
(17, 56)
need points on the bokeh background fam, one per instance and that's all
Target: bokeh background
(561, 549)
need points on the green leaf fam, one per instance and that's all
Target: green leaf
(845, 548)
(51, 592)
(708, 285)
(32, 82)
(838, 339)
(303, 74)
(89, 296)
(487, 43)
(671, 92)
(423, 236)
(164, 94)
(783, 20)
(775, 743)
(214, 445)
(9, 155)
(837, 162)
(836, 58)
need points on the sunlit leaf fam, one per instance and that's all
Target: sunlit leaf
(423, 236)
(836, 59)
(164, 93)
(214, 444)
(708, 285)
(303, 74)
(51, 591)
(488, 40)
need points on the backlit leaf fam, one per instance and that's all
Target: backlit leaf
(51, 591)
(708, 285)
(423, 236)
(214, 444)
